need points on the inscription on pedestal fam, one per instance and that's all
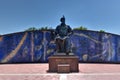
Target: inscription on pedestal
(63, 68)
(63, 60)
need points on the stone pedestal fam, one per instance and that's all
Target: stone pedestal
(63, 63)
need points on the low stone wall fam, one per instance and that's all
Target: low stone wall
(37, 46)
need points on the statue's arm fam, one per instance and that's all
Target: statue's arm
(57, 30)
(70, 31)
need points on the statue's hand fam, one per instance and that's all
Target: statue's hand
(70, 33)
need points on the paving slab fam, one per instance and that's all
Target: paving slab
(39, 72)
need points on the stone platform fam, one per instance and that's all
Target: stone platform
(63, 63)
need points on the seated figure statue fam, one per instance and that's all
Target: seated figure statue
(62, 40)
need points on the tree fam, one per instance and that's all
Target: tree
(80, 28)
(31, 29)
(42, 28)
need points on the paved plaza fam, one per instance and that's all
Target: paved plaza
(39, 72)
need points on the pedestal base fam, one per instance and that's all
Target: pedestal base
(63, 63)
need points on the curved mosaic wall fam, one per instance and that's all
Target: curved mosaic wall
(37, 46)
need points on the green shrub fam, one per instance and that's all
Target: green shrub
(101, 31)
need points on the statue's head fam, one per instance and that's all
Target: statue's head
(62, 19)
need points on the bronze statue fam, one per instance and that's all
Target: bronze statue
(62, 40)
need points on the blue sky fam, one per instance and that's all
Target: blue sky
(19, 15)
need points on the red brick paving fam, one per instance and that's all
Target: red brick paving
(43, 77)
(39, 72)
(93, 77)
(99, 68)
